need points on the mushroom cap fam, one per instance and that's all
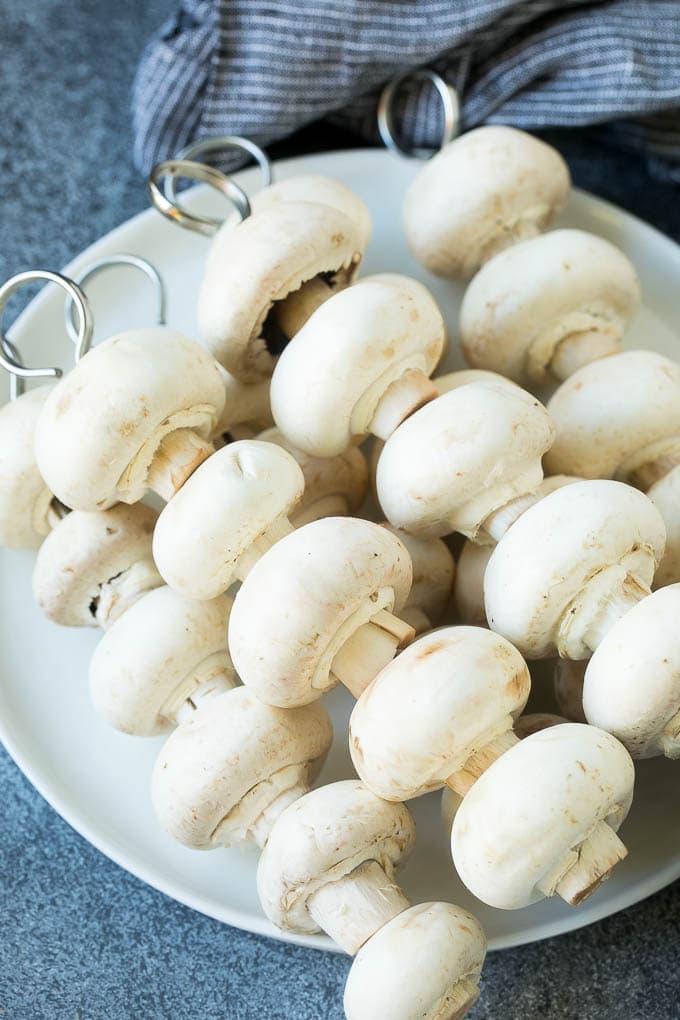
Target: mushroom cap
(443, 698)
(308, 594)
(24, 497)
(244, 404)
(231, 499)
(330, 378)
(468, 587)
(102, 423)
(434, 569)
(407, 970)
(483, 192)
(632, 682)
(464, 455)
(327, 479)
(613, 414)
(222, 768)
(665, 495)
(85, 551)
(555, 549)
(263, 260)
(317, 188)
(527, 299)
(144, 659)
(533, 804)
(323, 837)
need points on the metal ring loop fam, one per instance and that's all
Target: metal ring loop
(218, 143)
(95, 268)
(196, 172)
(16, 385)
(448, 96)
(14, 364)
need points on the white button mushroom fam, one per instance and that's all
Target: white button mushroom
(544, 308)
(329, 864)
(324, 597)
(543, 818)
(159, 660)
(483, 192)
(228, 771)
(632, 683)
(433, 572)
(464, 461)
(93, 566)
(334, 486)
(133, 415)
(620, 418)
(231, 510)
(360, 364)
(27, 511)
(424, 963)
(571, 566)
(253, 268)
(439, 714)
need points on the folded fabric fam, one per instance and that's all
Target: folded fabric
(264, 68)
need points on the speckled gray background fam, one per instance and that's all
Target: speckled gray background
(80, 939)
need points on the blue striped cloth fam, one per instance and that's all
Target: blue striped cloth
(264, 68)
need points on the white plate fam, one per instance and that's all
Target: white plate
(98, 779)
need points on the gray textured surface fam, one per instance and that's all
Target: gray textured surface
(80, 938)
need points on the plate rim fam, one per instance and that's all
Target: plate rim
(127, 859)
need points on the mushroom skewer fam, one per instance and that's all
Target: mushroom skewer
(361, 364)
(543, 308)
(329, 864)
(325, 596)
(620, 418)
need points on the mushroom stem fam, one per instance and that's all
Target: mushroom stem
(580, 348)
(478, 762)
(586, 866)
(264, 824)
(258, 547)
(333, 505)
(177, 457)
(213, 676)
(500, 520)
(613, 608)
(368, 649)
(670, 738)
(457, 1001)
(645, 475)
(120, 592)
(293, 312)
(355, 907)
(405, 395)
